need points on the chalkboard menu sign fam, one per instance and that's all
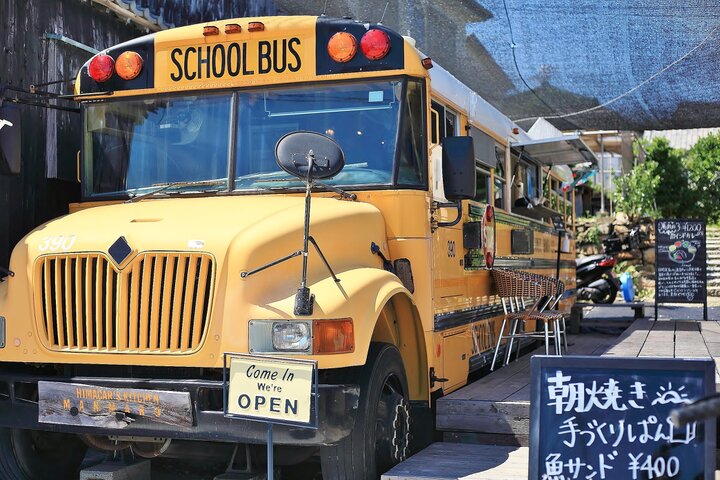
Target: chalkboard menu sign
(608, 418)
(680, 267)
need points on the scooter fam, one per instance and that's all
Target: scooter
(594, 274)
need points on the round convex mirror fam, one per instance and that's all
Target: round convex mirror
(293, 151)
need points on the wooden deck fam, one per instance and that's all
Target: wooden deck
(671, 338)
(454, 461)
(485, 424)
(497, 407)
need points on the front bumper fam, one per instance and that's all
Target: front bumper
(337, 409)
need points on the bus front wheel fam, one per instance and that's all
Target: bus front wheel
(36, 455)
(381, 435)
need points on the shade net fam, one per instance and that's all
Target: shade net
(569, 56)
(579, 55)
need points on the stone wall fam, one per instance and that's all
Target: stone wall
(591, 231)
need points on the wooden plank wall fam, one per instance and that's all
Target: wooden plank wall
(27, 58)
(51, 139)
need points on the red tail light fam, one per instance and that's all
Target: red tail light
(375, 44)
(607, 262)
(101, 68)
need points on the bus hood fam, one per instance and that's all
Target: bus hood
(158, 262)
(250, 230)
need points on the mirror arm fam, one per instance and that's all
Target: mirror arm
(457, 205)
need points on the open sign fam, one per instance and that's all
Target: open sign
(276, 390)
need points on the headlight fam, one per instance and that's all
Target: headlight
(291, 336)
(317, 337)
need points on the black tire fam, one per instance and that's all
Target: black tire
(609, 296)
(383, 417)
(35, 455)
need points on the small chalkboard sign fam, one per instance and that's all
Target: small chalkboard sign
(608, 418)
(680, 262)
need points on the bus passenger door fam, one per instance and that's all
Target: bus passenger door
(447, 241)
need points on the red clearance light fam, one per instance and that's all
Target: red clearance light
(211, 30)
(608, 262)
(233, 28)
(375, 44)
(128, 65)
(101, 68)
(342, 47)
(427, 63)
(256, 27)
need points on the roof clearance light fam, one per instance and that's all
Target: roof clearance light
(128, 65)
(256, 27)
(342, 47)
(101, 68)
(427, 63)
(211, 30)
(233, 28)
(375, 44)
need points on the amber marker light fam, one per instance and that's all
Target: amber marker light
(256, 27)
(333, 336)
(128, 65)
(211, 30)
(101, 68)
(375, 44)
(233, 28)
(342, 47)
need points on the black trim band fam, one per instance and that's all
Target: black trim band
(445, 321)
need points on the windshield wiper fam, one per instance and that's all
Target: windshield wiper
(166, 186)
(343, 194)
(339, 191)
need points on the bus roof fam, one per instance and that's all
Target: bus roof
(479, 111)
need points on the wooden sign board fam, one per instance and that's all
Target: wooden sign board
(110, 407)
(680, 262)
(271, 389)
(601, 417)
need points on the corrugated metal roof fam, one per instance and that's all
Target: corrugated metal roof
(683, 139)
(154, 15)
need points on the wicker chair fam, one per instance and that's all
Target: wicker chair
(514, 287)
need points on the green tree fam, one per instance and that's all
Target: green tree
(635, 192)
(704, 169)
(674, 197)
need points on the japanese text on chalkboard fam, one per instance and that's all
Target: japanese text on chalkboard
(616, 436)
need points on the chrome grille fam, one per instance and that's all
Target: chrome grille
(159, 303)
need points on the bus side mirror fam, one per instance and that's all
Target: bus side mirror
(10, 140)
(458, 168)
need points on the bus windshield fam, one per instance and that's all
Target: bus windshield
(132, 147)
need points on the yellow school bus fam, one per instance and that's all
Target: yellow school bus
(157, 273)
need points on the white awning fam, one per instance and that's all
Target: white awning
(565, 150)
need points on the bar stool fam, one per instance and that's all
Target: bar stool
(513, 288)
(554, 292)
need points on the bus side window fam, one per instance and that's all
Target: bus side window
(451, 124)
(437, 113)
(500, 178)
(482, 190)
(485, 160)
(434, 127)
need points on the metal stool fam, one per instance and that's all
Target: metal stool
(513, 288)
